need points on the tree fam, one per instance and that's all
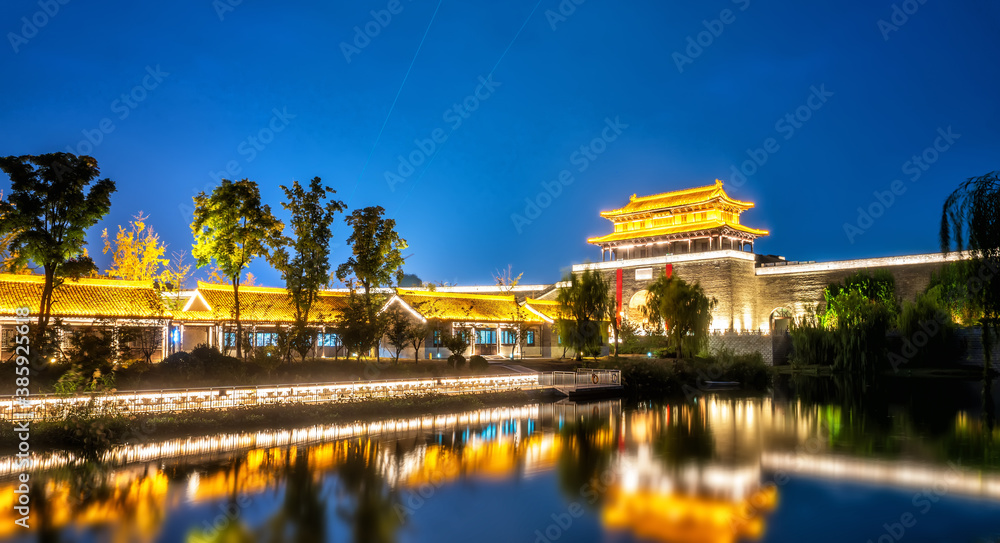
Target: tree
(375, 260)
(48, 214)
(8, 258)
(506, 282)
(417, 336)
(586, 302)
(397, 332)
(175, 277)
(457, 342)
(137, 254)
(305, 273)
(970, 219)
(232, 227)
(684, 309)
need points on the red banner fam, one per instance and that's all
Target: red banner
(618, 295)
(670, 270)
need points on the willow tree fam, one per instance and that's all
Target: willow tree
(585, 306)
(308, 269)
(47, 214)
(233, 227)
(684, 309)
(970, 220)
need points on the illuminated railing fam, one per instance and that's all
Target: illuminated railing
(581, 378)
(51, 406)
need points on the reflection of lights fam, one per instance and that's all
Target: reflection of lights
(192, 486)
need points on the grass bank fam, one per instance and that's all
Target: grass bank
(91, 435)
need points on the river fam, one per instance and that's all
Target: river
(913, 459)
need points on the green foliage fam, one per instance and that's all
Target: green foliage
(860, 335)
(478, 363)
(749, 369)
(417, 335)
(685, 311)
(376, 257)
(812, 344)
(397, 332)
(308, 270)
(959, 287)
(233, 227)
(929, 336)
(585, 302)
(46, 217)
(456, 361)
(457, 342)
(361, 325)
(878, 285)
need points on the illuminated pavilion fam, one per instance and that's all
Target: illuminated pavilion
(692, 220)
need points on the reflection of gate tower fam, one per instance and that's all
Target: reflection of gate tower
(694, 233)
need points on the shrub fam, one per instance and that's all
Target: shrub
(928, 334)
(811, 345)
(478, 363)
(456, 361)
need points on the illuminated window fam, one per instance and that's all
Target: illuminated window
(265, 339)
(328, 340)
(530, 340)
(486, 337)
(437, 338)
(507, 337)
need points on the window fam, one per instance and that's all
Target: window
(531, 338)
(265, 339)
(328, 340)
(486, 337)
(437, 338)
(508, 337)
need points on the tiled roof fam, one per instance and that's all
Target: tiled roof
(550, 308)
(675, 229)
(453, 306)
(257, 304)
(89, 298)
(666, 200)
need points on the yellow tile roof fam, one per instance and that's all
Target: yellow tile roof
(675, 229)
(550, 308)
(89, 298)
(455, 306)
(686, 197)
(260, 304)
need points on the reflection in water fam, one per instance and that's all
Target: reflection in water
(703, 471)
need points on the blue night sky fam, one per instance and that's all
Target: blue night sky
(266, 89)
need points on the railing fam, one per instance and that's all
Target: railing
(581, 378)
(51, 406)
(55, 407)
